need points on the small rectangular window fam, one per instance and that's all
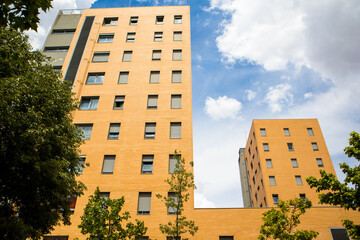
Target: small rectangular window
(172, 162)
(339, 234)
(177, 54)
(253, 180)
(286, 132)
(147, 164)
(123, 77)
(156, 55)
(176, 76)
(310, 132)
(56, 49)
(175, 130)
(315, 146)
(142, 238)
(72, 200)
(144, 203)
(89, 103)
(269, 163)
(119, 102)
(275, 198)
(173, 238)
(150, 129)
(106, 38)
(176, 101)
(152, 102)
(159, 19)
(177, 36)
(272, 180)
(101, 56)
(108, 164)
(130, 37)
(158, 36)
(319, 162)
(263, 132)
(290, 147)
(57, 68)
(105, 195)
(298, 180)
(302, 196)
(86, 130)
(127, 56)
(110, 21)
(154, 76)
(134, 20)
(63, 31)
(266, 147)
(95, 78)
(80, 167)
(256, 198)
(114, 131)
(174, 200)
(178, 19)
(251, 165)
(294, 163)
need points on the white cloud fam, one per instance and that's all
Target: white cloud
(202, 202)
(308, 95)
(223, 107)
(250, 95)
(278, 97)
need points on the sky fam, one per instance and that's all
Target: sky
(259, 59)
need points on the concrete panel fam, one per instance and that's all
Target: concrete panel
(59, 40)
(57, 57)
(67, 21)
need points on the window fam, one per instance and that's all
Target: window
(156, 55)
(172, 162)
(114, 131)
(173, 238)
(57, 68)
(56, 49)
(266, 147)
(86, 129)
(256, 198)
(80, 167)
(176, 101)
(101, 56)
(105, 195)
(339, 234)
(150, 130)
(154, 76)
(95, 78)
(177, 54)
(159, 19)
(294, 163)
(130, 37)
(315, 146)
(256, 150)
(108, 164)
(253, 180)
(147, 164)
(177, 36)
(142, 238)
(302, 196)
(119, 102)
(272, 180)
(262, 132)
(249, 151)
(275, 198)
(310, 132)
(290, 147)
(175, 130)
(286, 132)
(56, 237)
(158, 36)
(172, 197)
(152, 102)
(144, 203)
(72, 200)
(134, 20)
(123, 77)
(89, 103)
(106, 38)
(178, 19)
(110, 21)
(319, 162)
(176, 76)
(127, 56)
(269, 163)
(251, 165)
(63, 31)
(298, 180)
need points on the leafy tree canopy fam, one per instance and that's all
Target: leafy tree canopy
(22, 14)
(102, 219)
(281, 223)
(38, 142)
(347, 194)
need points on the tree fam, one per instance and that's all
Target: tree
(22, 14)
(281, 223)
(347, 194)
(180, 182)
(102, 219)
(38, 142)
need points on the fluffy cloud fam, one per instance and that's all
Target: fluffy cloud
(202, 202)
(250, 95)
(279, 96)
(222, 107)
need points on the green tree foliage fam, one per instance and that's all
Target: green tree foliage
(347, 194)
(102, 219)
(38, 142)
(281, 223)
(22, 14)
(180, 182)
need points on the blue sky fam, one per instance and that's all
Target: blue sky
(255, 59)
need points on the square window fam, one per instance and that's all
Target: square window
(89, 103)
(319, 162)
(290, 147)
(272, 180)
(177, 54)
(127, 56)
(147, 164)
(315, 146)
(106, 38)
(80, 167)
(95, 78)
(269, 163)
(150, 129)
(108, 164)
(263, 132)
(298, 180)
(114, 131)
(177, 36)
(266, 147)
(119, 102)
(156, 55)
(130, 37)
(144, 203)
(101, 56)
(152, 102)
(110, 21)
(178, 19)
(310, 132)
(176, 101)
(154, 76)
(172, 162)
(158, 36)
(294, 163)
(175, 130)
(123, 77)
(86, 130)
(275, 198)
(173, 200)
(176, 76)
(134, 20)
(286, 132)
(159, 19)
